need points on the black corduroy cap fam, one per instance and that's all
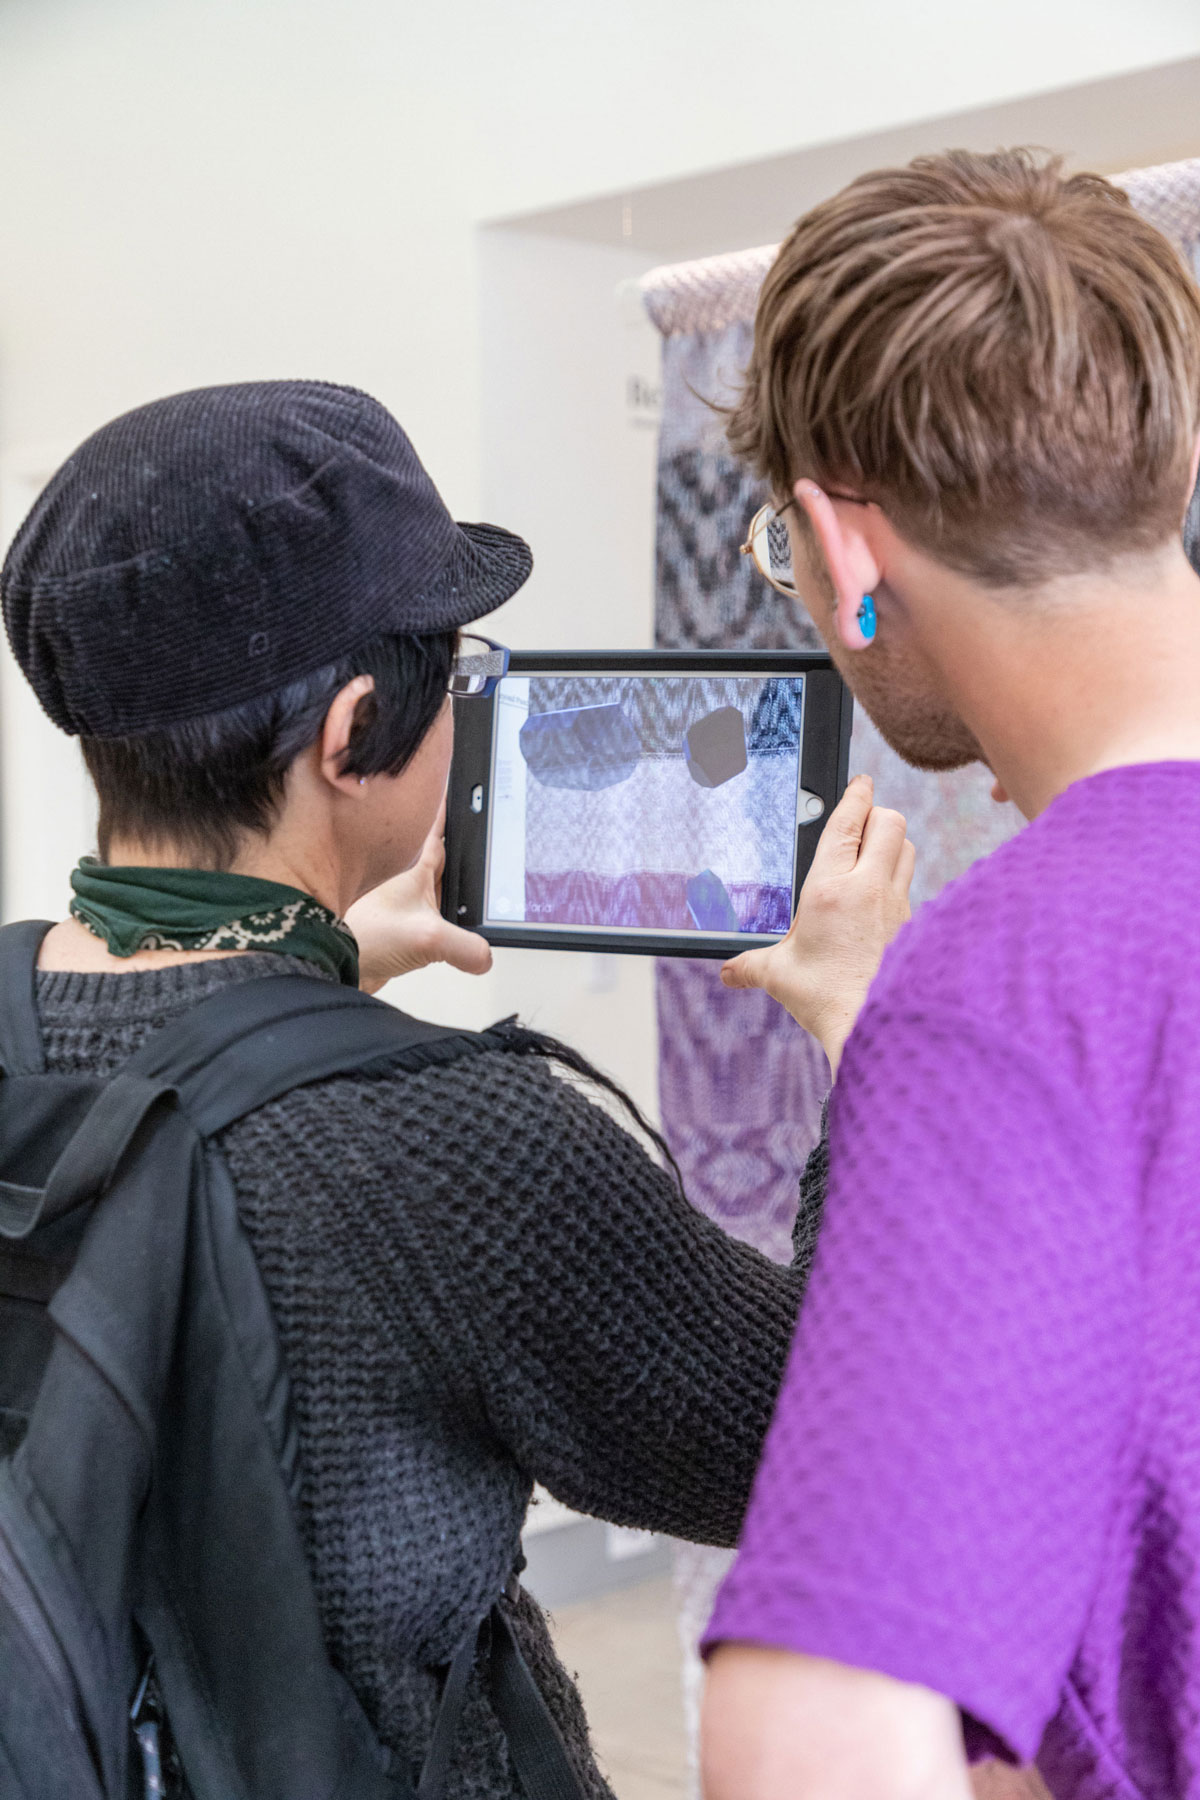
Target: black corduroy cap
(211, 547)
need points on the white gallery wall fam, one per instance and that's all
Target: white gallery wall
(195, 191)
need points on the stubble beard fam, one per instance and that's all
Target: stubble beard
(922, 731)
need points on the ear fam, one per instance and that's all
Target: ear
(1195, 474)
(853, 567)
(338, 729)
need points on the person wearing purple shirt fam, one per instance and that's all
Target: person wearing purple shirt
(975, 393)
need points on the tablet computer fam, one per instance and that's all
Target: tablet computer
(666, 802)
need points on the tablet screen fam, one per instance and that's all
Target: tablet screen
(645, 802)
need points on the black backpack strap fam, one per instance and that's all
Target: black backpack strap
(534, 1741)
(21, 1051)
(246, 1045)
(432, 1783)
(90, 1160)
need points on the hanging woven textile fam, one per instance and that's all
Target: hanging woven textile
(741, 1088)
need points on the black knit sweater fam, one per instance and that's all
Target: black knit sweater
(480, 1282)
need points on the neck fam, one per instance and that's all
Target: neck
(281, 857)
(1090, 674)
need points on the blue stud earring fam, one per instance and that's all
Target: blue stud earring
(866, 618)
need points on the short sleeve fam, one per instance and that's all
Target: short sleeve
(946, 1453)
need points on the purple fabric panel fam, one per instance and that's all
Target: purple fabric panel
(740, 1101)
(741, 1087)
(578, 897)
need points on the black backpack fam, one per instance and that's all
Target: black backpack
(159, 1630)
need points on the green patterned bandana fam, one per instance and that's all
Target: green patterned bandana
(200, 909)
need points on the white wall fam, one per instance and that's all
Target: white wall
(581, 99)
(195, 191)
(47, 803)
(201, 190)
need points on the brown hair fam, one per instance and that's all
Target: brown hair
(1005, 358)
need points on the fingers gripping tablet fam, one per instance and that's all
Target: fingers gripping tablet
(666, 802)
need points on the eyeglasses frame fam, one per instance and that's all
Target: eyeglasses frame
(490, 682)
(777, 512)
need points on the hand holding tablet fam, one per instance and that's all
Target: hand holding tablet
(853, 902)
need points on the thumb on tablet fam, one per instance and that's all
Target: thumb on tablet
(839, 844)
(749, 970)
(854, 900)
(464, 950)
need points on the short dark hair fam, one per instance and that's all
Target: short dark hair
(204, 783)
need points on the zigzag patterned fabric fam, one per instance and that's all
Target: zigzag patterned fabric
(741, 1089)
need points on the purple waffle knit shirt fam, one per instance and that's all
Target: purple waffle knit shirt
(983, 1473)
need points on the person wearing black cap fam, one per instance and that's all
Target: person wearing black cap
(246, 601)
